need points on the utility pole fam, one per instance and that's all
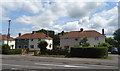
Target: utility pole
(8, 36)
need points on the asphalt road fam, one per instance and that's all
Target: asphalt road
(28, 63)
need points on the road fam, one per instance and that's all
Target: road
(19, 62)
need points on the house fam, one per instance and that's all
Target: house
(31, 40)
(73, 38)
(11, 41)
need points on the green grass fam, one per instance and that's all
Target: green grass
(62, 56)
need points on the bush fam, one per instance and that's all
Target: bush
(12, 51)
(91, 52)
(57, 52)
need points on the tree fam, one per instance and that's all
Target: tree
(42, 45)
(111, 41)
(104, 45)
(117, 36)
(84, 42)
(5, 48)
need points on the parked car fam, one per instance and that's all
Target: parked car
(114, 50)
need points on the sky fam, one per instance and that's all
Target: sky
(59, 15)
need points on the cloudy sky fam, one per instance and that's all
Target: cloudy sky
(59, 15)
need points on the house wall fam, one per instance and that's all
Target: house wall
(72, 42)
(50, 44)
(11, 43)
(36, 41)
(22, 43)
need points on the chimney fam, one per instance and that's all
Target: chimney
(103, 31)
(33, 32)
(81, 29)
(19, 34)
(47, 34)
(62, 33)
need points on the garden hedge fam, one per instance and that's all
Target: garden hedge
(11, 51)
(90, 52)
(57, 52)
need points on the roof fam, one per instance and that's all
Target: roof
(33, 36)
(76, 34)
(4, 37)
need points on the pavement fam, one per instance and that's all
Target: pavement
(30, 63)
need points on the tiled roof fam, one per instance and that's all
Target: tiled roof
(91, 33)
(4, 37)
(33, 36)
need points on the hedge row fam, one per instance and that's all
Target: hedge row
(57, 52)
(11, 51)
(91, 52)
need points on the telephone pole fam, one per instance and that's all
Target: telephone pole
(8, 35)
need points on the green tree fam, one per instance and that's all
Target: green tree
(5, 48)
(117, 36)
(104, 45)
(111, 41)
(84, 42)
(42, 45)
(47, 32)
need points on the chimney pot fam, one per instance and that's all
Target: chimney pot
(33, 32)
(81, 29)
(103, 31)
(19, 34)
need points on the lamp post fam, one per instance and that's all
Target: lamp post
(8, 36)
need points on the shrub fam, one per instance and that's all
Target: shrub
(57, 52)
(91, 52)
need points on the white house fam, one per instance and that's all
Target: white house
(73, 38)
(31, 40)
(11, 41)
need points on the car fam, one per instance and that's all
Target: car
(114, 50)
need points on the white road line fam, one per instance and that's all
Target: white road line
(27, 66)
(61, 65)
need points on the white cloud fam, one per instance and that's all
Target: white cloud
(25, 20)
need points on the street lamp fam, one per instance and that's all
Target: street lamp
(8, 36)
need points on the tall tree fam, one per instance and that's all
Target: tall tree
(111, 41)
(42, 45)
(84, 42)
(117, 36)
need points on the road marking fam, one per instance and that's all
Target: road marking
(61, 65)
(27, 66)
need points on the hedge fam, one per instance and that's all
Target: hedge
(57, 52)
(90, 52)
(11, 51)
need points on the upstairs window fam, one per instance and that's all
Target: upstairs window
(66, 39)
(96, 38)
(76, 39)
(39, 39)
(31, 46)
(31, 39)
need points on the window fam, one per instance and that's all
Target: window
(31, 39)
(19, 46)
(25, 46)
(31, 46)
(66, 39)
(50, 45)
(76, 39)
(96, 38)
(12, 46)
(39, 39)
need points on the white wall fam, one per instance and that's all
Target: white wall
(50, 44)
(72, 42)
(10, 43)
